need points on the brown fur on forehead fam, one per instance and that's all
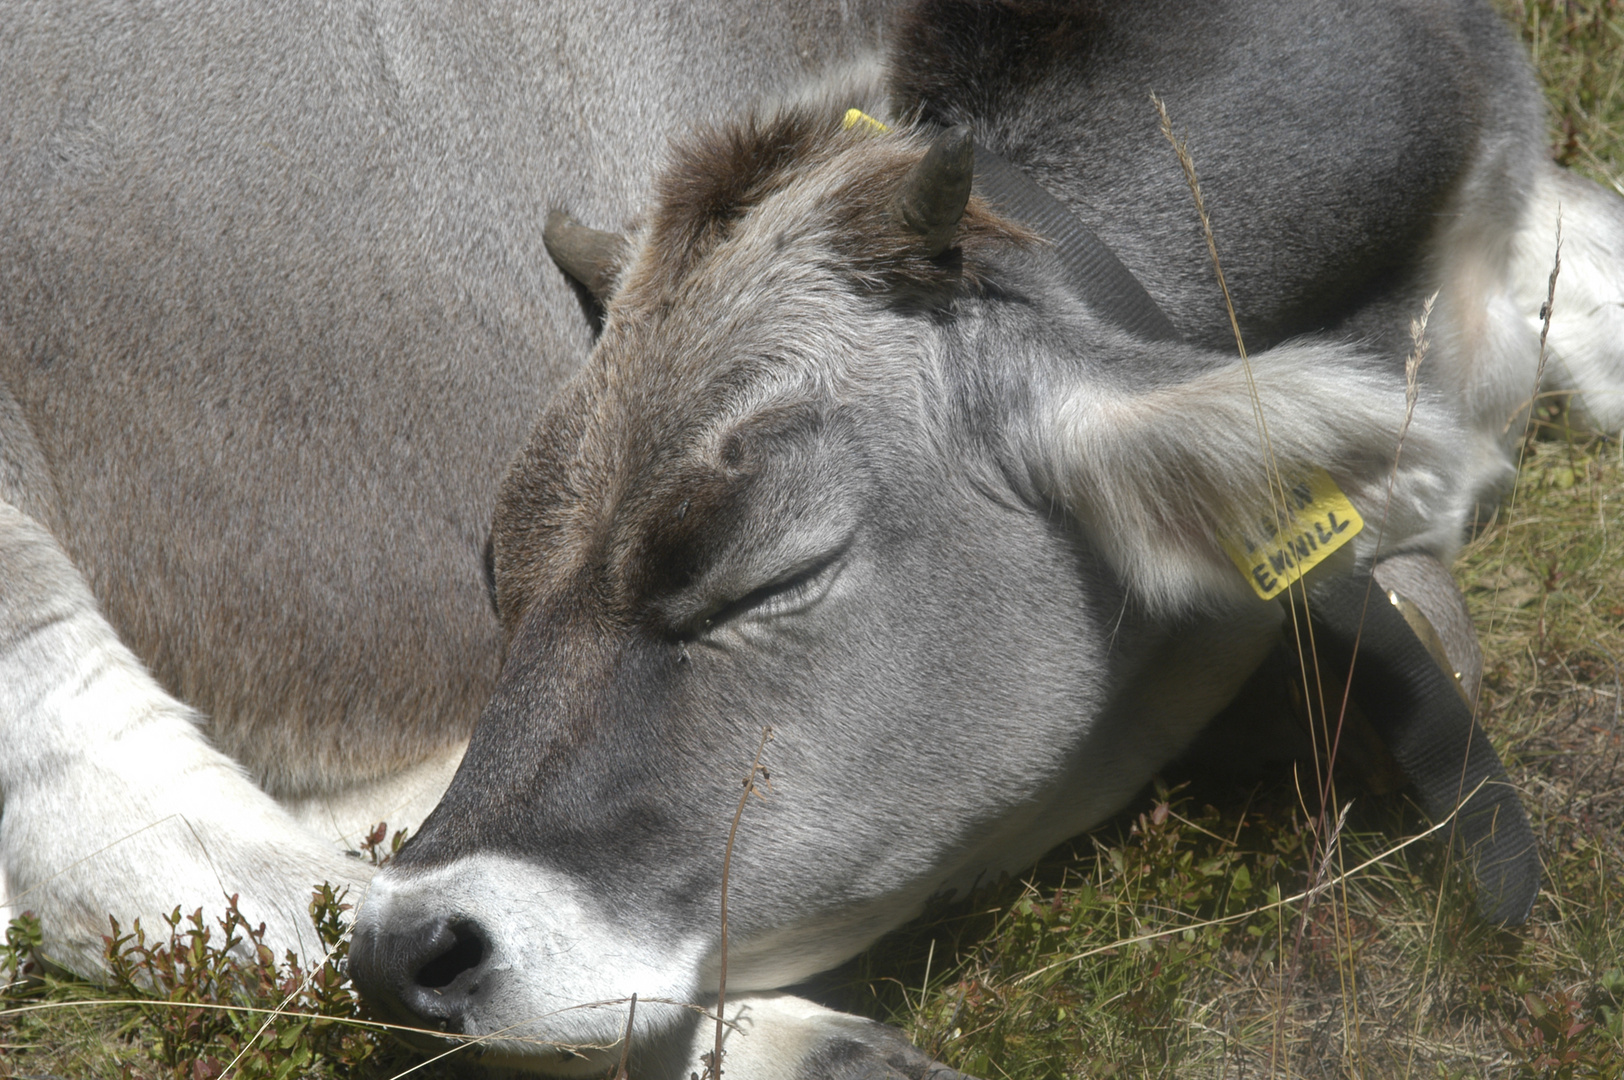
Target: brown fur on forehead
(633, 455)
(661, 425)
(720, 177)
(596, 520)
(714, 178)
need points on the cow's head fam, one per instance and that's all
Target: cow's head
(848, 464)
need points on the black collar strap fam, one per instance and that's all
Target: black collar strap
(1093, 271)
(1415, 706)
(1420, 714)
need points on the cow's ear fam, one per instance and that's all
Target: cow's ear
(590, 256)
(1164, 460)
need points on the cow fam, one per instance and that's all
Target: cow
(276, 308)
(860, 458)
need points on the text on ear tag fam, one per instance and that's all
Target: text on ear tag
(1315, 520)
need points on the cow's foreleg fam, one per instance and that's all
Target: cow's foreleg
(113, 800)
(783, 1037)
(1492, 310)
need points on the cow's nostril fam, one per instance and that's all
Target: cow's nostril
(428, 972)
(464, 953)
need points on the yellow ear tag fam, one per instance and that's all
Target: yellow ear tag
(1316, 520)
(854, 117)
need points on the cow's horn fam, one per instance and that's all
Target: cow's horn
(936, 190)
(590, 256)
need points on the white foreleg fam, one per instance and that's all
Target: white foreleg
(783, 1037)
(111, 799)
(1494, 267)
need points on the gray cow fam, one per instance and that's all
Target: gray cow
(853, 459)
(275, 311)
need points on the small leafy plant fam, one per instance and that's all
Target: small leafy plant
(1553, 1041)
(208, 998)
(200, 1000)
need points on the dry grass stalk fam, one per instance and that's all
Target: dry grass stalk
(1303, 633)
(713, 1068)
(621, 1072)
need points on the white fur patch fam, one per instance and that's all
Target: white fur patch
(114, 802)
(561, 969)
(402, 800)
(770, 1036)
(1586, 341)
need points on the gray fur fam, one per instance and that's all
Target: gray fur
(1397, 94)
(276, 309)
(815, 478)
(275, 304)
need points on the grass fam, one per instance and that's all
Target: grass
(1175, 941)
(1578, 46)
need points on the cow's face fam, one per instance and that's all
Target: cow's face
(793, 489)
(759, 506)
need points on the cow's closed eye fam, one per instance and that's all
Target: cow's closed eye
(795, 590)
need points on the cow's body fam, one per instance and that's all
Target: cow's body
(274, 314)
(274, 311)
(276, 307)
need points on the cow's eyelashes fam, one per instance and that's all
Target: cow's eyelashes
(800, 588)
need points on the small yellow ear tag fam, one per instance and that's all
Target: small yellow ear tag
(858, 116)
(1316, 520)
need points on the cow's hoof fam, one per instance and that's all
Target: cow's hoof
(878, 1053)
(781, 1037)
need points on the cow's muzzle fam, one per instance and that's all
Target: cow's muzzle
(429, 973)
